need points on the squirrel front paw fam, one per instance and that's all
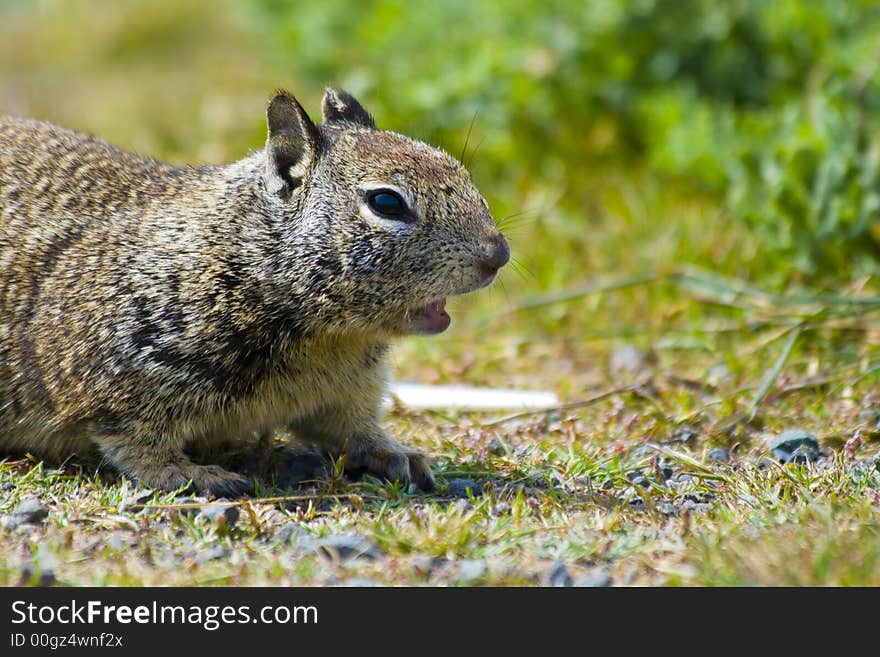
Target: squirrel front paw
(388, 459)
(201, 479)
(420, 470)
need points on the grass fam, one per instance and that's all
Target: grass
(650, 311)
(617, 483)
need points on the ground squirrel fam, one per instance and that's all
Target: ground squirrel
(144, 307)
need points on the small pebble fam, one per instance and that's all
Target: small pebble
(461, 487)
(642, 451)
(537, 479)
(793, 444)
(185, 510)
(558, 575)
(702, 496)
(215, 551)
(462, 506)
(667, 508)
(499, 447)
(425, 565)
(29, 511)
(287, 531)
(627, 358)
(212, 512)
(718, 455)
(718, 373)
(695, 507)
(470, 570)
(360, 582)
(138, 496)
(40, 567)
(596, 578)
(685, 436)
(346, 546)
(43, 577)
(120, 541)
(6, 522)
(803, 454)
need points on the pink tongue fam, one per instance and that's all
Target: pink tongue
(432, 318)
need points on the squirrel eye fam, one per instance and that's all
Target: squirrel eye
(387, 203)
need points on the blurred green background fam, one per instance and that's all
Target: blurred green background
(611, 137)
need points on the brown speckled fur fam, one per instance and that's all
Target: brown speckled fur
(145, 307)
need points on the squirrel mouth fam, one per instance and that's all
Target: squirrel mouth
(428, 319)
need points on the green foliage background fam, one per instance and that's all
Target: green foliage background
(770, 106)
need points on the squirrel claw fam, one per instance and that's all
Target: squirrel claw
(394, 463)
(208, 480)
(222, 483)
(420, 472)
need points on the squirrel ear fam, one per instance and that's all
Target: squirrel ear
(292, 146)
(341, 107)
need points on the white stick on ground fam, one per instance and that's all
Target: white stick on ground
(419, 396)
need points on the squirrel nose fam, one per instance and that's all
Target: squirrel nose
(496, 253)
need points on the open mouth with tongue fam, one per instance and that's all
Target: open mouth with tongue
(428, 319)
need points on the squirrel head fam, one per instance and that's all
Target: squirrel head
(383, 228)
